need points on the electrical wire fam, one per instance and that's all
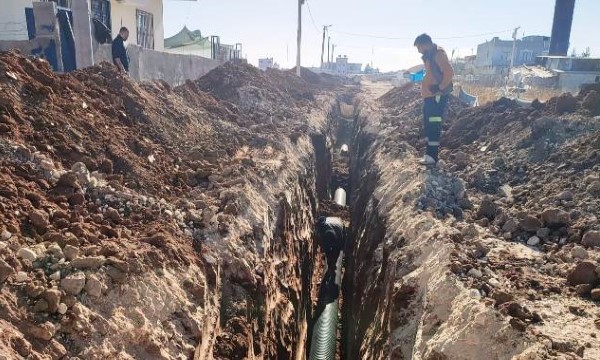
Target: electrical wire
(311, 17)
(410, 38)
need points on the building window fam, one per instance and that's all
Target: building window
(145, 29)
(101, 12)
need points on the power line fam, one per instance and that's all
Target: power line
(311, 18)
(410, 38)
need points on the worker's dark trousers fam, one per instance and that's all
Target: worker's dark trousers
(433, 111)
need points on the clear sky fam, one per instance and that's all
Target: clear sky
(267, 28)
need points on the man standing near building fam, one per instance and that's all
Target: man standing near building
(119, 53)
(436, 87)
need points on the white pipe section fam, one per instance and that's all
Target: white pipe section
(340, 197)
(344, 149)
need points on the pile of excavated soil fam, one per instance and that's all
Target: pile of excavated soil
(143, 221)
(508, 262)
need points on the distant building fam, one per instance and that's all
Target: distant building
(571, 72)
(74, 34)
(494, 56)
(189, 42)
(267, 63)
(343, 67)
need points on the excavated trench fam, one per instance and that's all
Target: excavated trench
(332, 162)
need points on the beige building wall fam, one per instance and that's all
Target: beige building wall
(13, 25)
(123, 13)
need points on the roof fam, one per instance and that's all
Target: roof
(185, 38)
(568, 57)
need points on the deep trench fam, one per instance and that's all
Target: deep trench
(333, 171)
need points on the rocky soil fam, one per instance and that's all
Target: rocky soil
(494, 254)
(140, 221)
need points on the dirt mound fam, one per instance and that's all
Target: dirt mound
(297, 87)
(123, 207)
(399, 95)
(517, 198)
(585, 89)
(249, 87)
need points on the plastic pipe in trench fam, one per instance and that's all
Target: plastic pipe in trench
(324, 336)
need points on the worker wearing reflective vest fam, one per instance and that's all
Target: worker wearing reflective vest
(435, 89)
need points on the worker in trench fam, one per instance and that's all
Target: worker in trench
(330, 238)
(119, 53)
(435, 90)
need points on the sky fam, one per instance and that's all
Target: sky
(380, 32)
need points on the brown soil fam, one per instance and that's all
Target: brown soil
(144, 221)
(491, 255)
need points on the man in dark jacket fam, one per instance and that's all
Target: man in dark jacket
(330, 237)
(119, 53)
(435, 89)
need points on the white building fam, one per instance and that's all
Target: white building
(143, 18)
(343, 67)
(74, 34)
(267, 63)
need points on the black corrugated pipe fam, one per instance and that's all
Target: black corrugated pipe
(324, 331)
(561, 27)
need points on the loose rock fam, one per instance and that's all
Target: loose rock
(21, 276)
(583, 273)
(52, 296)
(44, 331)
(39, 219)
(74, 283)
(594, 189)
(530, 223)
(5, 235)
(533, 241)
(5, 271)
(487, 209)
(555, 218)
(27, 254)
(475, 273)
(71, 252)
(89, 262)
(93, 286)
(591, 239)
(579, 252)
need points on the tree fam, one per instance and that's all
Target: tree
(587, 53)
(574, 52)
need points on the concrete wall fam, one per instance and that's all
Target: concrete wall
(147, 65)
(124, 14)
(13, 25)
(572, 81)
(197, 50)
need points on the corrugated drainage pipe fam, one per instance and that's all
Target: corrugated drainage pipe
(324, 336)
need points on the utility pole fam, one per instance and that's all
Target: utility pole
(512, 56)
(300, 3)
(325, 30)
(332, 52)
(328, 49)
